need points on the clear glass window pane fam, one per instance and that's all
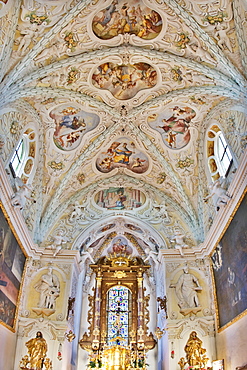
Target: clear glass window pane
(16, 160)
(224, 155)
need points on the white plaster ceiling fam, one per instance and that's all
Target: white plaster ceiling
(124, 76)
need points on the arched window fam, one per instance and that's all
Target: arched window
(16, 162)
(218, 153)
(118, 315)
(224, 156)
(22, 161)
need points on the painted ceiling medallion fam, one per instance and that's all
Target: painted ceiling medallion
(174, 125)
(120, 198)
(71, 124)
(130, 17)
(120, 247)
(122, 154)
(126, 80)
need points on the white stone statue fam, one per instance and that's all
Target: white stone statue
(87, 255)
(178, 239)
(151, 255)
(19, 198)
(161, 211)
(221, 36)
(58, 241)
(77, 212)
(186, 290)
(28, 36)
(49, 289)
(216, 189)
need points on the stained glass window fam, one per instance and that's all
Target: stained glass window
(118, 315)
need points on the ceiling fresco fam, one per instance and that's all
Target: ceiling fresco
(119, 97)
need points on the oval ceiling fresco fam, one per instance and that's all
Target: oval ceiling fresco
(71, 124)
(122, 154)
(126, 80)
(120, 198)
(174, 125)
(130, 17)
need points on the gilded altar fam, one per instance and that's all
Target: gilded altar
(118, 337)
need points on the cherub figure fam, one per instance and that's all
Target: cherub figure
(23, 190)
(178, 239)
(28, 36)
(221, 36)
(77, 212)
(58, 241)
(151, 255)
(217, 190)
(85, 255)
(161, 210)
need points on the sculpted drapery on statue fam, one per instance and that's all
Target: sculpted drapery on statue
(195, 354)
(186, 290)
(37, 349)
(49, 289)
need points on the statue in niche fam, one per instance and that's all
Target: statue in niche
(49, 289)
(217, 189)
(178, 239)
(186, 290)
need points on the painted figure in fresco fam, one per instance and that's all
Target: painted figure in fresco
(120, 18)
(117, 200)
(124, 81)
(71, 124)
(119, 247)
(122, 154)
(174, 125)
(37, 349)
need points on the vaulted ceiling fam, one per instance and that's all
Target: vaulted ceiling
(119, 96)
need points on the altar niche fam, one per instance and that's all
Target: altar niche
(118, 335)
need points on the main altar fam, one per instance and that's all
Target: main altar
(118, 337)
